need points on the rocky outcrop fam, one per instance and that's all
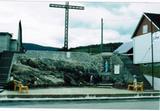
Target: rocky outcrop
(35, 77)
(42, 72)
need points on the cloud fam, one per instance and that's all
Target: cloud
(119, 22)
(41, 24)
(45, 25)
(91, 17)
(93, 36)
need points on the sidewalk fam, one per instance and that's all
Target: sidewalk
(82, 97)
(75, 92)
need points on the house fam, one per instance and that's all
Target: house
(146, 40)
(146, 31)
(9, 44)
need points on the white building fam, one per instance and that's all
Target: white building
(147, 27)
(146, 42)
(7, 43)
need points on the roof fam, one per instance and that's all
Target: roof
(5, 33)
(124, 48)
(155, 18)
(13, 40)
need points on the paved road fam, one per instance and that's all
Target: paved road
(151, 104)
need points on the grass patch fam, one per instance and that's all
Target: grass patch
(147, 69)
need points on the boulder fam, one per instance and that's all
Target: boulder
(42, 72)
(35, 77)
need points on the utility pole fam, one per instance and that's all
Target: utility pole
(152, 54)
(101, 47)
(66, 7)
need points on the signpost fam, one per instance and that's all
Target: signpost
(66, 7)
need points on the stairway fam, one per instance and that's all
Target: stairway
(5, 66)
(134, 70)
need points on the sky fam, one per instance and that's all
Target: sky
(44, 25)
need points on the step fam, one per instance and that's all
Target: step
(3, 78)
(5, 63)
(2, 84)
(6, 54)
(3, 81)
(4, 70)
(1, 89)
(3, 73)
(6, 58)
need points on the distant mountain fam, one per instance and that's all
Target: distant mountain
(109, 47)
(31, 46)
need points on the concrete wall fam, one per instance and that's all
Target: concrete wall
(7, 43)
(156, 81)
(13, 45)
(4, 42)
(142, 48)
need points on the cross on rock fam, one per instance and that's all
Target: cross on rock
(66, 7)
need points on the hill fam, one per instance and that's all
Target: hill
(110, 47)
(31, 46)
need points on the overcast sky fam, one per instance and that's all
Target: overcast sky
(45, 26)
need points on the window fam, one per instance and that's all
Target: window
(145, 29)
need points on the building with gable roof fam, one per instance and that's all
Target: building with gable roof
(146, 40)
(147, 28)
(9, 44)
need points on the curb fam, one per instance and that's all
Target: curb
(4, 100)
(138, 94)
(77, 97)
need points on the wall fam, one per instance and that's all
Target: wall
(145, 21)
(7, 43)
(156, 82)
(147, 69)
(142, 48)
(4, 42)
(13, 45)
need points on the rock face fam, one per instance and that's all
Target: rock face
(43, 72)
